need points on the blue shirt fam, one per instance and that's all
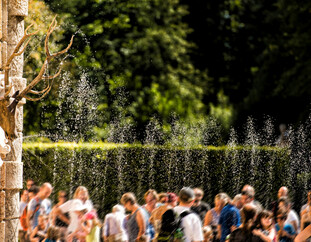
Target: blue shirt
(289, 228)
(34, 206)
(149, 228)
(229, 216)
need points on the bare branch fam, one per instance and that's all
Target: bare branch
(17, 53)
(20, 43)
(22, 51)
(6, 94)
(54, 76)
(40, 92)
(65, 50)
(49, 32)
(39, 98)
(40, 76)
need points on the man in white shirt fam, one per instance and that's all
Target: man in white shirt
(292, 217)
(113, 225)
(191, 223)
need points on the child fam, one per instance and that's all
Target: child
(91, 227)
(39, 232)
(52, 234)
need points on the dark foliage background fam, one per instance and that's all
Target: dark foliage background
(179, 59)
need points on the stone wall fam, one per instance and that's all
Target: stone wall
(12, 13)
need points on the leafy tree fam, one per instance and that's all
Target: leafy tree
(137, 54)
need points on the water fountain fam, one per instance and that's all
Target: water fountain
(167, 161)
(182, 161)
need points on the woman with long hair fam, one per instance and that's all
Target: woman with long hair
(264, 226)
(82, 195)
(245, 231)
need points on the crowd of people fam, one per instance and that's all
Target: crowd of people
(163, 217)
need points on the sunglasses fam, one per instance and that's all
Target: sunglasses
(198, 195)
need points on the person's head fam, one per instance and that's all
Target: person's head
(221, 199)
(53, 233)
(281, 216)
(62, 196)
(172, 199)
(32, 192)
(128, 200)
(162, 197)
(237, 201)
(248, 214)
(186, 196)
(24, 196)
(198, 193)
(29, 183)
(45, 190)
(264, 220)
(248, 194)
(118, 208)
(81, 193)
(283, 192)
(151, 197)
(43, 220)
(284, 203)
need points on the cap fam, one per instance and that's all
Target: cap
(186, 194)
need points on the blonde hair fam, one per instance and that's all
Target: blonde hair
(79, 189)
(223, 197)
(153, 193)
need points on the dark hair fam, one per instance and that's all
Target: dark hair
(61, 192)
(22, 191)
(282, 212)
(262, 214)
(248, 214)
(34, 189)
(285, 200)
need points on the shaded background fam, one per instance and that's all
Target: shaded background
(173, 60)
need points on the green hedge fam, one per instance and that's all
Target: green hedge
(108, 170)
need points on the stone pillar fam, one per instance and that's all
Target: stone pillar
(12, 15)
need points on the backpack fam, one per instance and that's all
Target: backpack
(23, 217)
(171, 229)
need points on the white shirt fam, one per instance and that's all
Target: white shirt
(74, 220)
(191, 224)
(113, 224)
(292, 216)
(46, 206)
